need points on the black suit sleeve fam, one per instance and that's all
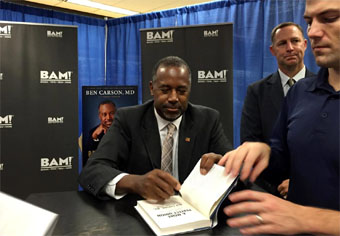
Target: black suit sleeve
(251, 129)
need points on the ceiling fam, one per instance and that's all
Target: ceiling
(139, 6)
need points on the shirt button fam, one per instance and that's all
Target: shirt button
(324, 115)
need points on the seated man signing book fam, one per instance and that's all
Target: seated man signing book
(151, 148)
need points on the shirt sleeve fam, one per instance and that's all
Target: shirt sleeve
(110, 188)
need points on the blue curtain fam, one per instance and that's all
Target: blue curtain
(253, 21)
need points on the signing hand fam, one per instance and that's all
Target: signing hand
(254, 156)
(154, 185)
(207, 161)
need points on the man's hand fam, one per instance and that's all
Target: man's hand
(283, 188)
(268, 214)
(254, 156)
(101, 128)
(154, 185)
(207, 161)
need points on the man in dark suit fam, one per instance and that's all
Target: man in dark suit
(264, 97)
(128, 158)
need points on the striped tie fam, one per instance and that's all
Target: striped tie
(167, 147)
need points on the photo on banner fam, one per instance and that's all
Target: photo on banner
(100, 104)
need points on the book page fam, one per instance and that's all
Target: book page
(171, 212)
(18, 217)
(204, 191)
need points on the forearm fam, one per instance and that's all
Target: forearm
(321, 221)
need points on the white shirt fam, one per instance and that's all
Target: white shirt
(110, 188)
(284, 79)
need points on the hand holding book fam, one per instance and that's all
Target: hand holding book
(195, 209)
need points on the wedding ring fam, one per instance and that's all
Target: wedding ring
(260, 219)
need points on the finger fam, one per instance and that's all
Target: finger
(260, 229)
(244, 207)
(169, 182)
(229, 162)
(208, 162)
(248, 195)
(203, 162)
(244, 221)
(157, 194)
(258, 168)
(241, 155)
(223, 160)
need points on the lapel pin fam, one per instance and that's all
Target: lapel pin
(187, 139)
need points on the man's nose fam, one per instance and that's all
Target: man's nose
(289, 46)
(173, 97)
(314, 30)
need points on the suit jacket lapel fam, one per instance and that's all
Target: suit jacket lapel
(276, 93)
(186, 142)
(151, 138)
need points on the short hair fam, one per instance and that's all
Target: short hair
(170, 61)
(107, 102)
(282, 25)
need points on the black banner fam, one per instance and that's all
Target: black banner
(208, 49)
(38, 108)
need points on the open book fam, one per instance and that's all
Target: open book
(196, 208)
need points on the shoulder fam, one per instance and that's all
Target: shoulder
(301, 88)
(270, 79)
(201, 111)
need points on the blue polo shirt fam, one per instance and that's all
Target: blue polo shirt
(305, 142)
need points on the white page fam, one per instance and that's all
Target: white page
(172, 212)
(18, 217)
(202, 191)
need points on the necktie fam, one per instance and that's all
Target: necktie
(291, 82)
(167, 147)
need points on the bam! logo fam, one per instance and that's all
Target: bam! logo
(1, 76)
(6, 31)
(1, 166)
(212, 76)
(48, 163)
(55, 120)
(159, 36)
(54, 34)
(210, 33)
(6, 122)
(55, 77)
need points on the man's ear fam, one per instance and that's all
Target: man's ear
(272, 50)
(151, 87)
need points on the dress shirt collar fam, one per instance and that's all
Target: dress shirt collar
(284, 78)
(162, 123)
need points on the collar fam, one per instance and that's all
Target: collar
(162, 123)
(321, 82)
(284, 78)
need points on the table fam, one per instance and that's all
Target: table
(82, 214)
